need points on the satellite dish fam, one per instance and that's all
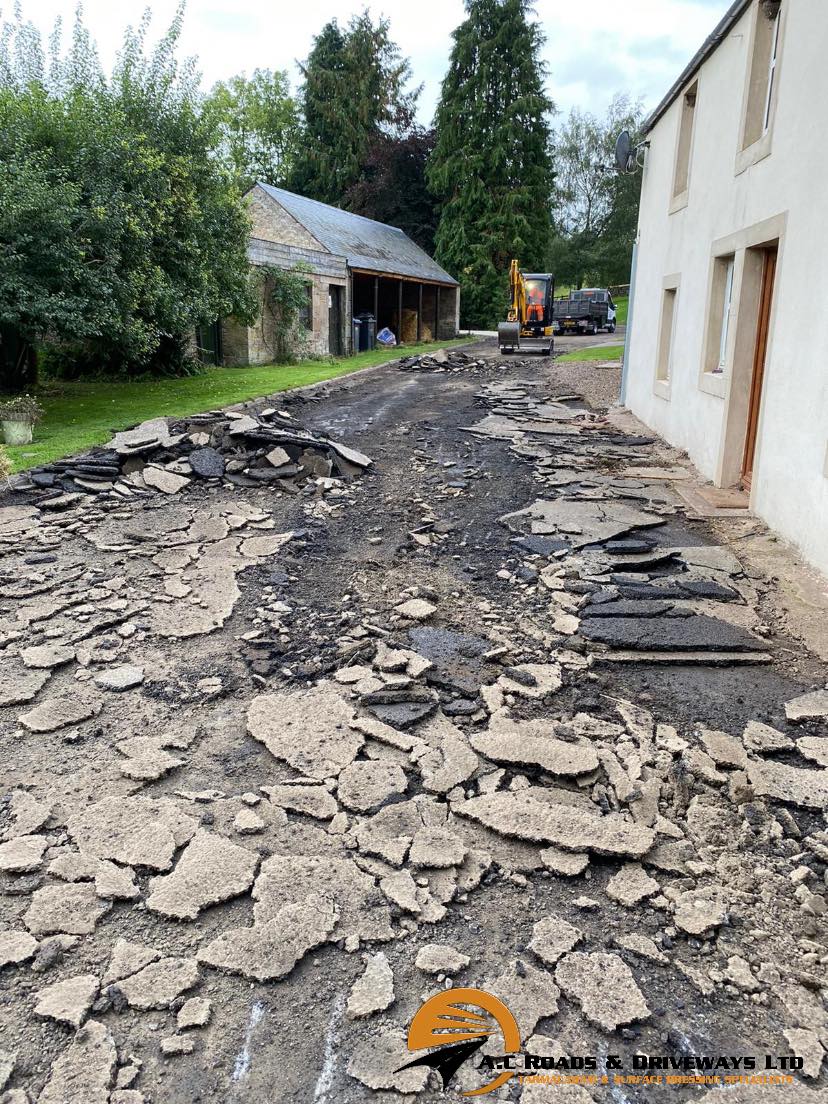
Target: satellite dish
(624, 152)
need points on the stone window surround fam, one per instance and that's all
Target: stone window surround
(663, 385)
(762, 147)
(685, 140)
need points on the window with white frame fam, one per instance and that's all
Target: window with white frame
(720, 315)
(763, 74)
(772, 71)
(727, 304)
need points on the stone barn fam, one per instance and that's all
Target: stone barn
(355, 266)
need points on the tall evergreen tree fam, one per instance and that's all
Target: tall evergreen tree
(491, 167)
(354, 91)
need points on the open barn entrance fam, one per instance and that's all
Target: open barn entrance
(411, 309)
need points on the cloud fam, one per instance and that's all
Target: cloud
(592, 51)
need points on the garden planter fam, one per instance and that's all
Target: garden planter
(17, 432)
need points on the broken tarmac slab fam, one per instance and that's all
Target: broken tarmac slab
(604, 987)
(270, 949)
(552, 937)
(797, 785)
(159, 983)
(62, 712)
(67, 1001)
(135, 831)
(83, 1073)
(531, 743)
(18, 684)
(528, 815)
(210, 870)
(309, 729)
(806, 707)
(16, 947)
(440, 958)
(72, 909)
(700, 632)
(362, 913)
(373, 991)
(578, 522)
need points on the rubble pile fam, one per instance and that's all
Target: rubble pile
(599, 540)
(454, 794)
(242, 448)
(444, 360)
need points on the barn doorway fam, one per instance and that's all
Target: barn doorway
(335, 342)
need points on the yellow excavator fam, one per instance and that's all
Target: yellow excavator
(528, 325)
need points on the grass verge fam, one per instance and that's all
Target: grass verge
(598, 353)
(86, 413)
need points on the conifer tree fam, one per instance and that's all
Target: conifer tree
(354, 90)
(491, 167)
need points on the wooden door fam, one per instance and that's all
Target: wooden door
(334, 320)
(759, 357)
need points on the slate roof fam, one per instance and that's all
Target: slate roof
(363, 242)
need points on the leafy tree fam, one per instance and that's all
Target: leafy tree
(595, 208)
(119, 231)
(491, 167)
(257, 123)
(353, 92)
(393, 188)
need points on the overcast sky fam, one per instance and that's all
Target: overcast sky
(594, 48)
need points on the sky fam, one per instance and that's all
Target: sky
(594, 48)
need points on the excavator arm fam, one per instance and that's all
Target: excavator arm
(517, 294)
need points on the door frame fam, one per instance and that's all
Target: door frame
(733, 387)
(336, 313)
(760, 357)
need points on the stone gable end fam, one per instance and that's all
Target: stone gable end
(271, 222)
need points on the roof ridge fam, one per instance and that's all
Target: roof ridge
(331, 206)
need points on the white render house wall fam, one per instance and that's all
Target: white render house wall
(757, 174)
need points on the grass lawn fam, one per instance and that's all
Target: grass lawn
(597, 353)
(621, 307)
(79, 415)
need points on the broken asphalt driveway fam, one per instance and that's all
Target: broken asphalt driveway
(424, 678)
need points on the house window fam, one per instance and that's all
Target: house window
(727, 303)
(763, 81)
(681, 178)
(665, 336)
(721, 318)
(306, 310)
(771, 72)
